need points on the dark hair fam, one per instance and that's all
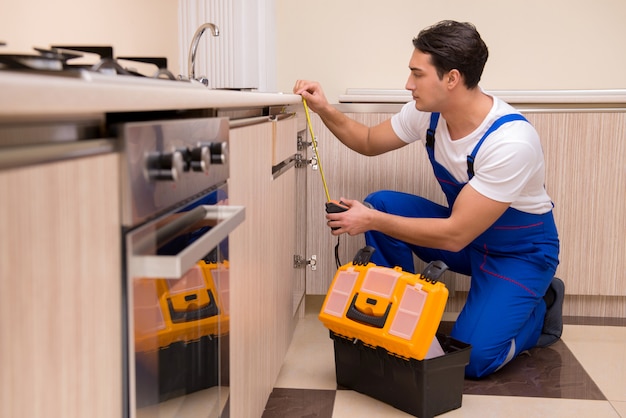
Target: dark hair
(454, 45)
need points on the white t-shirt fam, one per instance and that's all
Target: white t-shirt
(509, 166)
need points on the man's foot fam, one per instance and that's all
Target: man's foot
(553, 322)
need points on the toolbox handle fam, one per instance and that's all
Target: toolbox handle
(187, 316)
(375, 321)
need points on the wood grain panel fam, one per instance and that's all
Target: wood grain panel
(574, 305)
(585, 176)
(261, 252)
(60, 287)
(283, 145)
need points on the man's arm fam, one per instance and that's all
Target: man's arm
(472, 214)
(356, 136)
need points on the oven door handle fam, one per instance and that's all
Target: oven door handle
(175, 266)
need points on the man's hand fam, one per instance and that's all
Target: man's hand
(312, 92)
(354, 221)
(355, 135)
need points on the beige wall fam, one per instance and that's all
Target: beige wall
(135, 27)
(534, 44)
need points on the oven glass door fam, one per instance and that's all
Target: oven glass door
(178, 310)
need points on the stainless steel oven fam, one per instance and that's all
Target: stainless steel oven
(176, 223)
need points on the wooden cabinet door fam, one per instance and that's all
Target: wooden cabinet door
(586, 179)
(261, 262)
(60, 290)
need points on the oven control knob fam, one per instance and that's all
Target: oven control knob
(219, 152)
(164, 166)
(199, 159)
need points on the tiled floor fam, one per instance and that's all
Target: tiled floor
(583, 375)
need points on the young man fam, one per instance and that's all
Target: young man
(498, 226)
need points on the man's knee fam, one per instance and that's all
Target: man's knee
(486, 359)
(479, 366)
(376, 199)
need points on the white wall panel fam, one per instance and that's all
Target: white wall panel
(242, 56)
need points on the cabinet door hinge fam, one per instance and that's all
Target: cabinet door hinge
(301, 262)
(302, 144)
(302, 162)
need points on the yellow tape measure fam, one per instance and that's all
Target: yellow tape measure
(314, 141)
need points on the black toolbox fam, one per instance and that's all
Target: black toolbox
(422, 388)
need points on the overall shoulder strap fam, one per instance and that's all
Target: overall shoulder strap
(499, 122)
(430, 133)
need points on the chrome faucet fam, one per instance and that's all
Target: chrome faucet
(194, 47)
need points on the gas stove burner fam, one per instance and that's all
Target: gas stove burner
(48, 59)
(54, 53)
(104, 52)
(159, 62)
(107, 61)
(58, 61)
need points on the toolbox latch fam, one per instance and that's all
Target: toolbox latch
(433, 271)
(363, 256)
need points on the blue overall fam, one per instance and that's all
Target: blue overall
(511, 266)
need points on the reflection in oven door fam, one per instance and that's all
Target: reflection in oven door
(181, 333)
(180, 319)
(176, 219)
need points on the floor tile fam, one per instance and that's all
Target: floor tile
(601, 351)
(551, 372)
(476, 406)
(349, 404)
(584, 374)
(620, 407)
(310, 361)
(299, 403)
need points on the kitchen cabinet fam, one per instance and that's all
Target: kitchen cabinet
(61, 310)
(62, 314)
(63, 327)
(585, 177)
(261, 259)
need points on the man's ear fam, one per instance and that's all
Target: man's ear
(454, 78)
